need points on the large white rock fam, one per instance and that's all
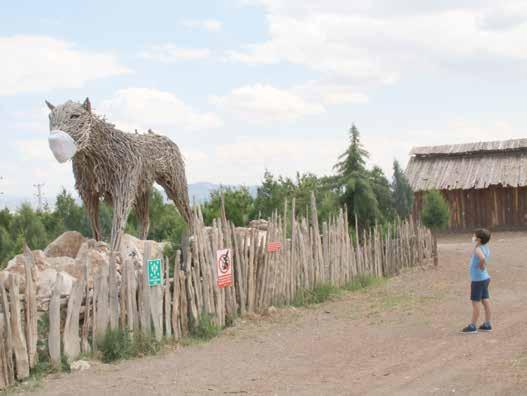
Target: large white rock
(47, 281)
(132, 247)
(66, 245)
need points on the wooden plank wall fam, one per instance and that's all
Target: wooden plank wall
(494, 208)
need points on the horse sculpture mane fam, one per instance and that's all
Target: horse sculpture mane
(119, 167)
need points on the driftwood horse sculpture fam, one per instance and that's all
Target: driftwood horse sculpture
(119, 167)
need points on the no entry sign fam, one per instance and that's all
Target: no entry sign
(154, 272)
(224, 267)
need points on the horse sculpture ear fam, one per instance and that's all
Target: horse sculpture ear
(87, 105)
(50, 106)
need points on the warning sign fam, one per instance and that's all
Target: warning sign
(224, 267)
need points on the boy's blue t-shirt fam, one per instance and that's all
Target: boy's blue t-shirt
(476, 274)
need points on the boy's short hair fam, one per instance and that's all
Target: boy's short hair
(483, 235)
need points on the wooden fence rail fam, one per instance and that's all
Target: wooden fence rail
(309, 255)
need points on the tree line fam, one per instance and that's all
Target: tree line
(367, 194)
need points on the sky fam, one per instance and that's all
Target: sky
(247, 85)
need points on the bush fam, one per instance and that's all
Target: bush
(116, 345)
(205, 329)
(144, 345)
(435, 213)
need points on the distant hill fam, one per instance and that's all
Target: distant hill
(200, 192)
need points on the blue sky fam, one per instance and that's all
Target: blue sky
(244, 85)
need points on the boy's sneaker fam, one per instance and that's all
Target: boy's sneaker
(485, 327)
(470, 329)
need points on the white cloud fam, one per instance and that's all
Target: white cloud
(384, 149)
(243, 160)
(40, 63)
(212, 25)
(375, 42)
(34, 149)
(260, 103)
(170, 53)
(143, 108)
(330, 93)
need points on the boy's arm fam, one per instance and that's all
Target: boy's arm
(481, 257)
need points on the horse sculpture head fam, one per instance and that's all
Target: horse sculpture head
(69, 126)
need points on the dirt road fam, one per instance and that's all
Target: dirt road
(400, 337)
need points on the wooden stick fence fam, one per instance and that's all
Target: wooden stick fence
(309, 256)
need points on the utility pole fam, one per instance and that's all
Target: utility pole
(39, 195)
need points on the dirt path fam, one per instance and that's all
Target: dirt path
(400, 337)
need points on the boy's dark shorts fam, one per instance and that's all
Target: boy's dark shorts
(479, 290)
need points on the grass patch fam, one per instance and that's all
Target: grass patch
(120, 345)
(362, 282)
(205, 329)
(316, 296)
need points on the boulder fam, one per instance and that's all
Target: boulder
(259, 224)
(17, 266)
(64, 264)
(134, 248)
(47, 281)
(66, 245)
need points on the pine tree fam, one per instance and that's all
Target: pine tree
(356, 191)
(403, 196)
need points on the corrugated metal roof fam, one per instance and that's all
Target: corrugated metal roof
(444, 172)
(469, 148)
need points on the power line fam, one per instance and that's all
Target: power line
(39, 195)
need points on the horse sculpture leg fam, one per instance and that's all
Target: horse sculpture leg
(91, 203)
(122, 204)
(142, 201)
(177, 191)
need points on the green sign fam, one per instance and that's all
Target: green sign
(154, 272)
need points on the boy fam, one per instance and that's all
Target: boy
(479, 287)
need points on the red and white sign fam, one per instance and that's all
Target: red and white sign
(224, 267)
(274, 247)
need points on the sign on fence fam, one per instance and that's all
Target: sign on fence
(224, 267)
(274, 247)
(154, 272)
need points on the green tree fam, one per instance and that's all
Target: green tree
(403, 196)
(26, 223)
(6, 246)
(5, 218)
(356, 191)
(383, 194)
(71, 214)
(239, 205)
(435, 215)
(271, 195)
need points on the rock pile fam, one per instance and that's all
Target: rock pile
(67, 254)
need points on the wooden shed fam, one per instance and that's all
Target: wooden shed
(484, 183)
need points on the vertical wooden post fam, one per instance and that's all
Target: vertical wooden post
(10, 367)
(30, 308)
(54, 323)
(112, 292)
(166, 297)
(176, 290)
(19, 341)
(71, 327)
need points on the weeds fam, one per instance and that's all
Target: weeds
(205, 329)
(316, 296)
(120, 345)
(362, 282)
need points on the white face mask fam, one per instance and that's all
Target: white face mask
(62, 145)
